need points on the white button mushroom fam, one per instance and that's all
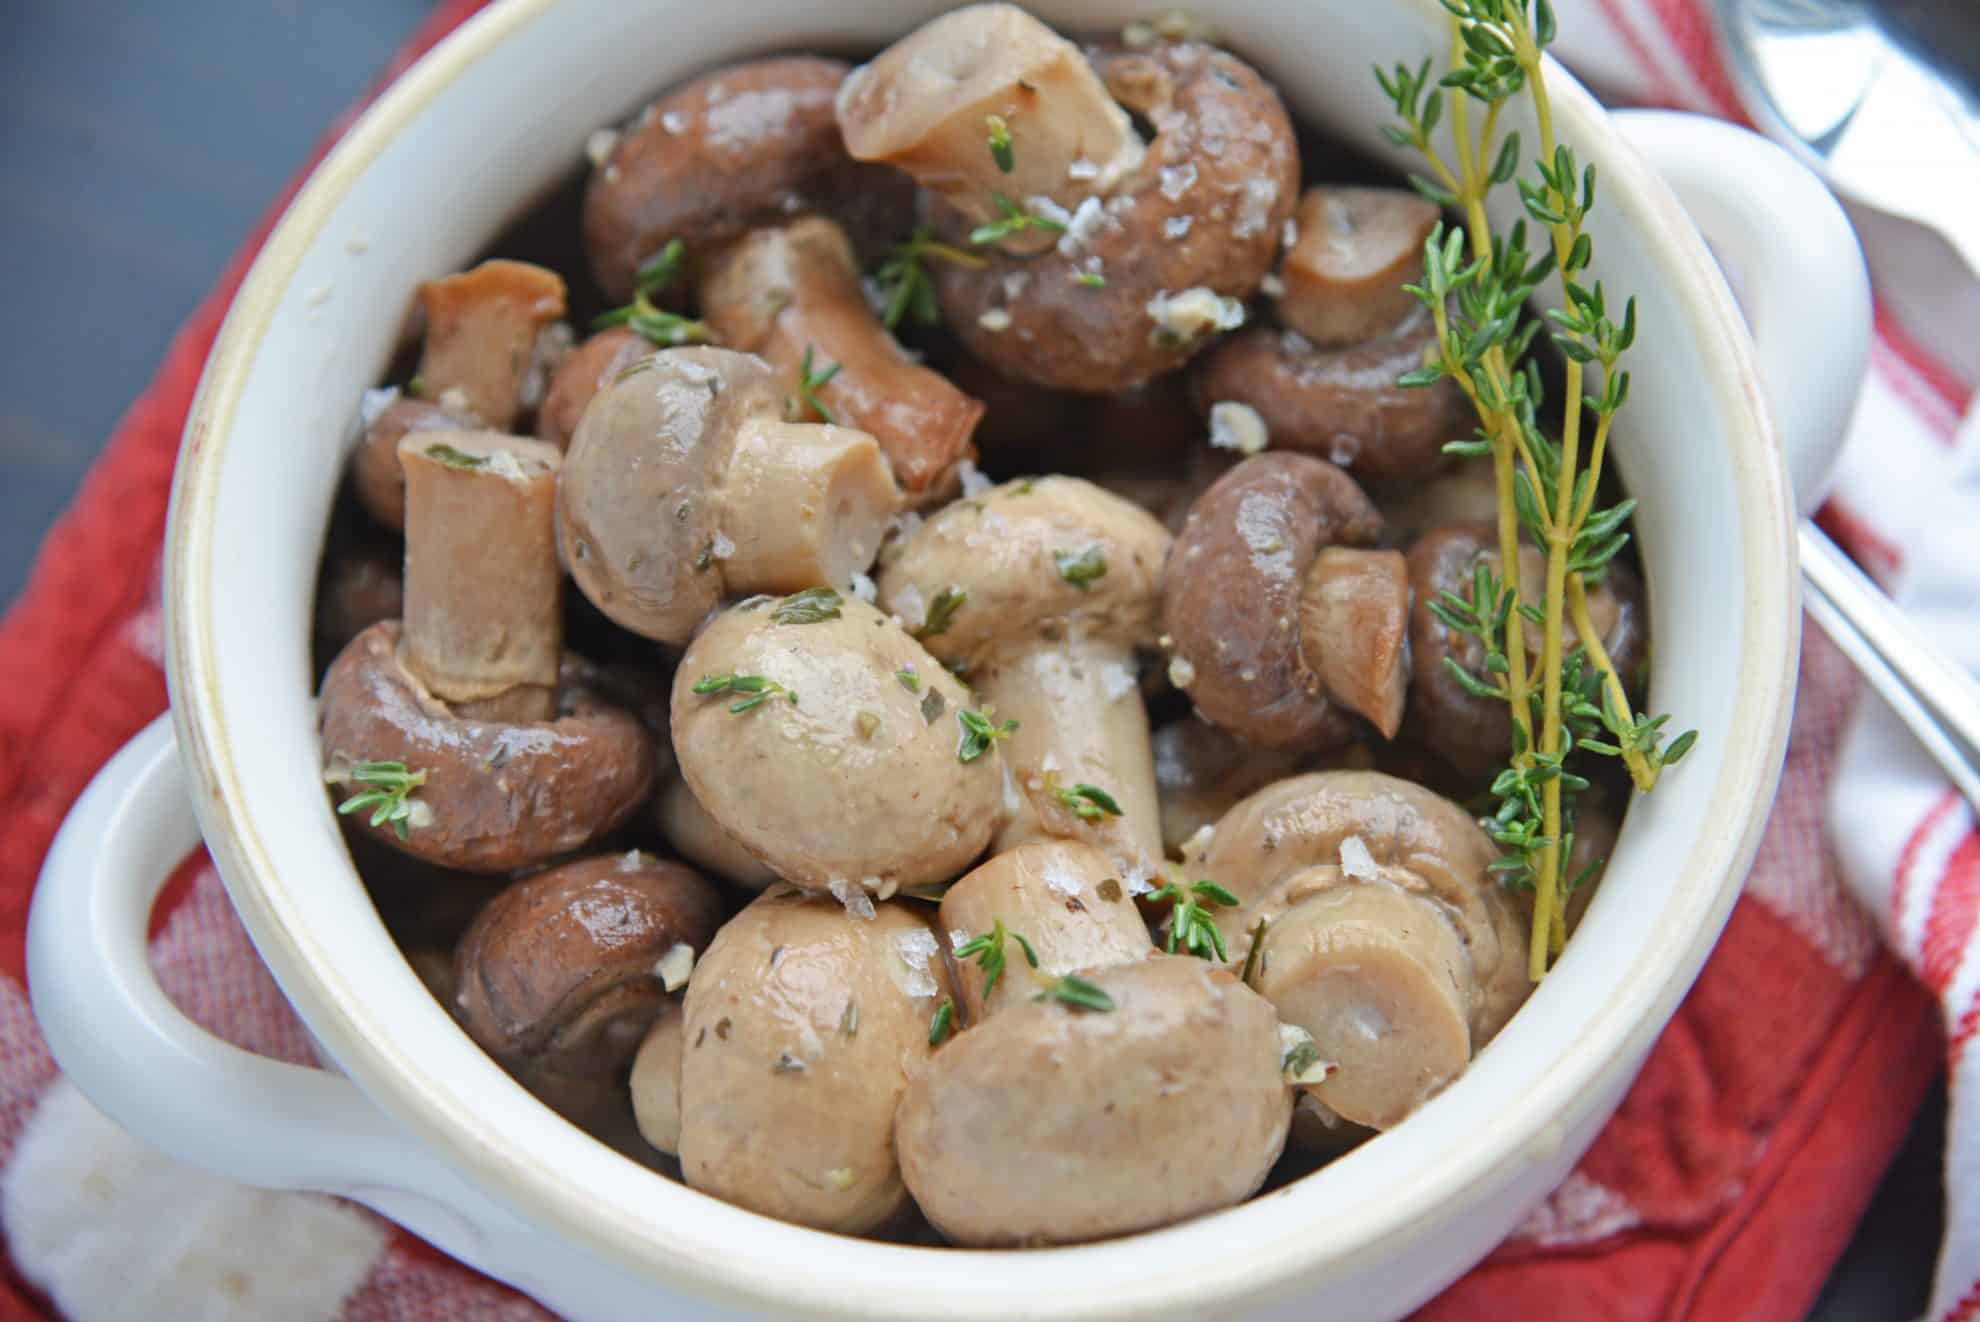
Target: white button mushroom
(832, 747)
(1041, 589)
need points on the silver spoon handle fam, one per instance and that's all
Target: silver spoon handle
(1936, 699)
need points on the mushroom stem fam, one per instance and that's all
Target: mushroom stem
(483, 584)
(1354, 629)
(1380, 978)
(925, 104)
(481, 329)
(1080, 722)
(806, 504)
(792, 295)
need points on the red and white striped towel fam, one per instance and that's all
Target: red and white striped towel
(1721, 1192)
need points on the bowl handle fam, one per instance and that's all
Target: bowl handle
(169, 1081)
(1794, 264)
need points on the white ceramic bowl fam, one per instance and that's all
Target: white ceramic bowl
(426, 1129)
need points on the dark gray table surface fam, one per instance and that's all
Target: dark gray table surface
(138, 144)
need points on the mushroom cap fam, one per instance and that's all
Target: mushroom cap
(1341, 404)
(638, 509)
(701, 840)
(1055, 894)
(1024, 553)
(856, 784)
(500, 796)
(359, 586)
(376, 477)
(561, 974)
(1051, 1125)
(731, 149)
(585, 371)
(1203, 212)
(802, 1023)
(1420, 842)
(1231, 596)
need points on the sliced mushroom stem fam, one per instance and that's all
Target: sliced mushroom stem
(792, 295)
(1081, 722)
(1380, 978)
(483, 585)
(481, 329)
(1357, 248)
(1056, 895)
(806, 503)
(1354, 630)
(924, 105)
(701, 840)
(656, 1080)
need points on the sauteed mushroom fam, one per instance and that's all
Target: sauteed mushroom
(1325, 382)
(591, 367)
(822, 737)
(1280, 625)
(1201, 772)
(745, 145)
(701, 840)
(482, 330)
(1388, 939)
(792, 294)
(684, 482)
(802, 1025)
(561, 974)
(1041, 590)
(1099, 1122)
(1146, 252)
(1063, 897)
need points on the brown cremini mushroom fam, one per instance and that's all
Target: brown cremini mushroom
(358, 588)
(792, 294)
(1474, 733)
(589, 368)
(562, 973)
(482, 330)
(376, 478)
(832, 747)
(1143, 253)
(700, 839)
(497, 795)
(684, 484)
(1041, 589)
(1324, 382)
(1466, 492)
(1388, 939)
(802, 1023)
(1280, 626)
(1050, 1123)
(1067, 902)
(741, 146)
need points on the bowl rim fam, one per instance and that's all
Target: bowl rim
(1601, 1058)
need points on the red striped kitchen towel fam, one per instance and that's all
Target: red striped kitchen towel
(1724, 1188)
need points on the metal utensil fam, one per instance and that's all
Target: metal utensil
(1935, 698)
(1878, 98)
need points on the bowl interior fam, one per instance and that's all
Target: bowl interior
(466, 143)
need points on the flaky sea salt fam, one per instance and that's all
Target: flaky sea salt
(863, 587)
(373, 403)
(916, 948)
(1175, 180)
(1181, 673)
(599, 145)
(676, 966)
(858, 903)
(1356, 861)
(974, 483)
(994, 320)
(1237, 426)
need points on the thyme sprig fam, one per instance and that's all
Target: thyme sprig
(979, 732)
(1191, 924)
(944, 1021)
(648, 318)
(755, 690)
(988, 950)
(1011, 219)
(810, 382)
(942, 612)
(1476, 285)
(1089, 803)
(999, 130)
(390, 796)
(904, 284)
(811, 606)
